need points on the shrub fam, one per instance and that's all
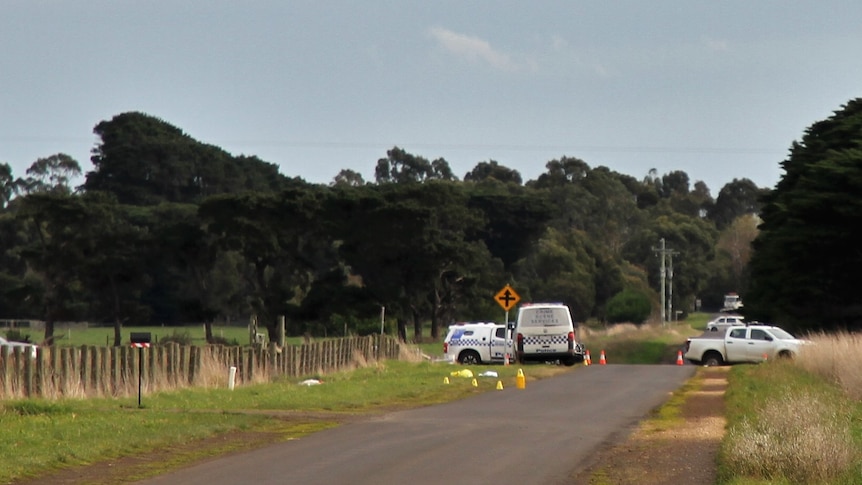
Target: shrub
(15, 335)
(628, 306)
(217, 340)
(182, 338)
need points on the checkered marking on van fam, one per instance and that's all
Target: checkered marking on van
(542, 340)
(464, 342)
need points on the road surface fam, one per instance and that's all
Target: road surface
(543, 434)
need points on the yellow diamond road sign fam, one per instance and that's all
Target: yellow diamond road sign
(507, 298)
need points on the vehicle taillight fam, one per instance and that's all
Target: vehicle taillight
(571, 341)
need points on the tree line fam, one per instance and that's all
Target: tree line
(166, 229)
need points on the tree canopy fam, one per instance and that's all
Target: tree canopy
(144, 160)
(807, 264)
(170, 230)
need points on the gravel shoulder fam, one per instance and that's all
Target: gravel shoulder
(684, 453)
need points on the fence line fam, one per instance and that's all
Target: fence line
(90, 371)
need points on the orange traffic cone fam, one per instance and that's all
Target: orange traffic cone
(679, 360)
(602, 360)
(587, 359)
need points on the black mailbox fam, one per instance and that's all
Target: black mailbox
(140, 337)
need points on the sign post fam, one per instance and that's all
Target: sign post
(507, 298)
(141, 341)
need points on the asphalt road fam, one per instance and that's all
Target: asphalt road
(539, 435)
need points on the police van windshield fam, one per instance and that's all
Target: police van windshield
(544, 317)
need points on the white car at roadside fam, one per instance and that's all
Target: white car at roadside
(724, 321)
(750, 343)
(8, 346)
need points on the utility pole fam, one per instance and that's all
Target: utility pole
(661, 250)
(670, 254)
(665, 254)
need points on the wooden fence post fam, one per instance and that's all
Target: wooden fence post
(5, 376)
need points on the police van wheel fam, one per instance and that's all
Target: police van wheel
(569, 361)
(469, 357)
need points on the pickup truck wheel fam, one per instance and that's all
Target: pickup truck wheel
(712, 359)
(469, 357)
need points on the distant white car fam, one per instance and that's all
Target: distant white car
(8, 345)
(724, 321)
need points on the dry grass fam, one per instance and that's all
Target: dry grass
(836, 357)
(804, 438)
(410, 353)
(792, 428)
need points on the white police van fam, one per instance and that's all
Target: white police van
(477, 343)
(545, 332)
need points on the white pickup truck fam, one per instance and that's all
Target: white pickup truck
(749, 343)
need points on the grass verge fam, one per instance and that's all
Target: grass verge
(787, 425)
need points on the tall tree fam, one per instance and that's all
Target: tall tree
(402, 167)
(806, 266)
(13, 269)
(281, 238)
(198, 279)
(410, 243)
(349, 177)
(115, 245)
(491, 170)
(144, 160)
(514, 218)
(737, 198)
(692, 238)
(54, 254)
(8, 185)
(51, 174)
(561, 172)
(675, 182)
(559, 269)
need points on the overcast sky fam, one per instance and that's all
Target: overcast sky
(718, 89)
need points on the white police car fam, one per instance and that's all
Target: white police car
(477, 343)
